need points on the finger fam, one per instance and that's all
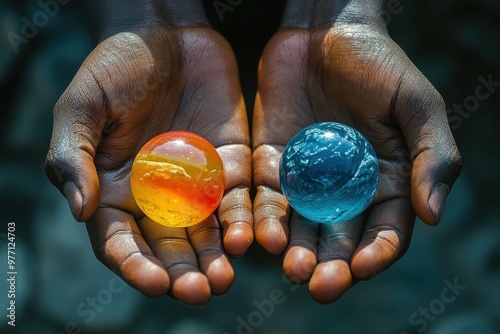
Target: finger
(271, 212)
(271, 209)
(172, 247)
(205, 239)
(436, 161)
(78, 124)
(300, 256)
(235, 209)
(235, 215)
(118, 244)
(337, 242)
(385, 239)
(280, 111)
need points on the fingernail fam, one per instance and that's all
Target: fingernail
(437, 200)
(74, 197)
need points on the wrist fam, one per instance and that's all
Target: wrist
(183, 12)
(109, 17)
(326, 13)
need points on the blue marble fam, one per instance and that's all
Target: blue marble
(329, 172)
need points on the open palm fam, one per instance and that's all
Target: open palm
(353, 74)
(133, 86)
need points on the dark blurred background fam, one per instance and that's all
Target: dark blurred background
(62, 288)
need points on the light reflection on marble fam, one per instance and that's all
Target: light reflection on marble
(329, 172)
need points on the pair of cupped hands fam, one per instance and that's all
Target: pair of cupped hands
(146, 78)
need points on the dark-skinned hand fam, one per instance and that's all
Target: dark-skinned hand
(338, 63)
(142, 80)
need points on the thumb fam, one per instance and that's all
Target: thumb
(70, 161)
(421, 116)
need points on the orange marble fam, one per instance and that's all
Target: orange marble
(177, 179)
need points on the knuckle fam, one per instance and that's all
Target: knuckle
(455, 159)
(56, 169)
(451, 161)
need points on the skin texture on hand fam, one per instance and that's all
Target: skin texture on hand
(330, 61)
(137, 83)
(349, 71)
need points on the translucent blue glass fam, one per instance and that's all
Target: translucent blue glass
(329, 172)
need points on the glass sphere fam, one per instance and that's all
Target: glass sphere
(329, 172)
(177, 179)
